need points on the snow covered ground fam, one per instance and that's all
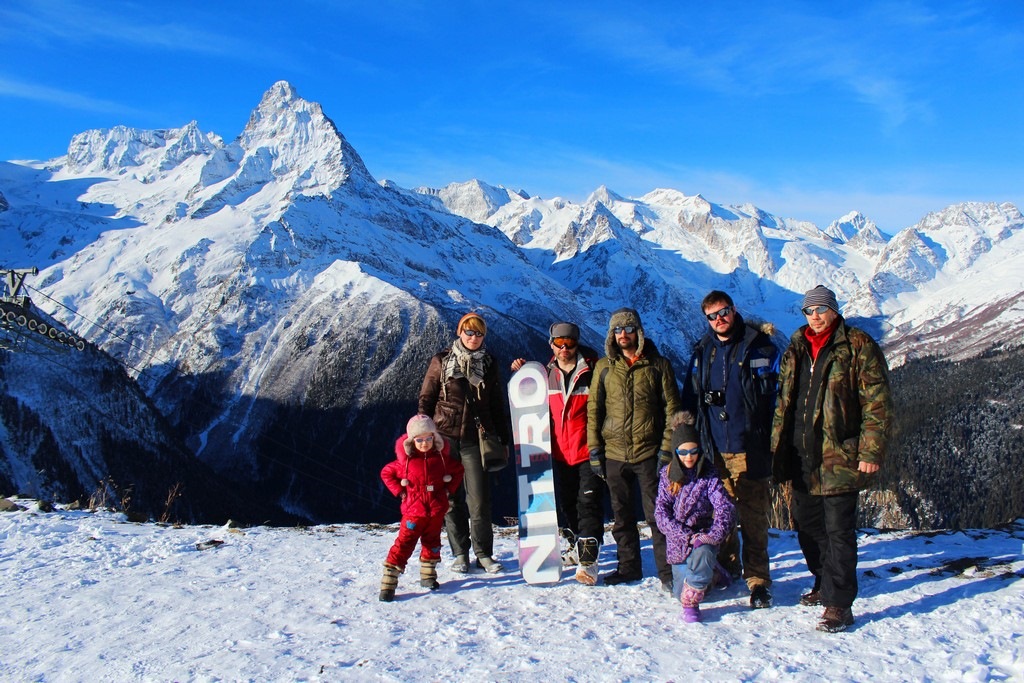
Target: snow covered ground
(89, 597)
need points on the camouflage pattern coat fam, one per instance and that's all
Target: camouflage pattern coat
(851, 419)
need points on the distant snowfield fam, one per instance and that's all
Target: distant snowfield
(90, 597)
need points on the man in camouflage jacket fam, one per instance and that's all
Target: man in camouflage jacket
(829, 437)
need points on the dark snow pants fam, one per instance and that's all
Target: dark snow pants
(580, 500)
(623, 480)
(827, 532)
(753, 501)
(469, 520)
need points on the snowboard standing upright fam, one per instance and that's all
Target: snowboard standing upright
(540, 560)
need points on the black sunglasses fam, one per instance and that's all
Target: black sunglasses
(718, 314)
(472, 333)
(628, 329)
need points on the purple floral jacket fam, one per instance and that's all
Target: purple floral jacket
(701, 511)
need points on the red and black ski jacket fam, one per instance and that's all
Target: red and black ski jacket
(567, 399)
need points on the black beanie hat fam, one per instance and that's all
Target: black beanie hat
(684, 433)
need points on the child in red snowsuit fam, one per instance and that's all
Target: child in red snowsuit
(423, 476)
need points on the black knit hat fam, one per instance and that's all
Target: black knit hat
(684, 433)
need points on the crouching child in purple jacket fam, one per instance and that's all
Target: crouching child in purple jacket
(696, 515)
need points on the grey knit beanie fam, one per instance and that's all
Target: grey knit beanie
(570, 330)
(821, 296)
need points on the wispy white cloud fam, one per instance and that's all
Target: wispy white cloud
(64, 98)
(776, 50)
(115, 23)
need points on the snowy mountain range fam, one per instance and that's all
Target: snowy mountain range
(278, 304)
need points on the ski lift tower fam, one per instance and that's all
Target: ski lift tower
(21, 325)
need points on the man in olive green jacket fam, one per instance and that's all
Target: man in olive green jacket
(829, 437)
(633, 395)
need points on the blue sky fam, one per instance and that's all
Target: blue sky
(806, 109)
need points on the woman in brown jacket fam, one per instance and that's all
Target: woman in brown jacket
(452, 374)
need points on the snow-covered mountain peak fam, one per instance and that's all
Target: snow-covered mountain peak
(674, 198)
(995, 221)
(119, 148)
(858, 232)
(961, 233)
(843, 229)
(604, 196)
(474, 199)
(289, 136)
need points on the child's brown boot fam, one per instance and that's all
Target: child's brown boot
(389, 582)
(428, 574)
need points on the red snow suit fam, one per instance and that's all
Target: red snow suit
(424, 497)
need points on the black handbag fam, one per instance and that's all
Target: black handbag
(493, 453)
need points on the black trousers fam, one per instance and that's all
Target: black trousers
(580, 499)
(623, 481)
(470, 517)
(827, 532)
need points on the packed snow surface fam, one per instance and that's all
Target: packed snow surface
(90, 597)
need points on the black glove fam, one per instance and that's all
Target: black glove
(597, 461)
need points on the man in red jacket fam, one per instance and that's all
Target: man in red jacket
(579, 491)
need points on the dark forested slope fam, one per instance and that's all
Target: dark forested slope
(958, 452)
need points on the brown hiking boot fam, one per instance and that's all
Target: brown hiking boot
(835, 619)
(811, 598)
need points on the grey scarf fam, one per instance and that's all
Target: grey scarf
(463, 363)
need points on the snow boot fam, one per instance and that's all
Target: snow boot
(760, 598)
(811, 598)
(389, 582)
(691, 598)
(570, 553)
(461, 564)
(835, 619)
(489, 565)
(619, 576)
(587, 550)
(428, 574)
